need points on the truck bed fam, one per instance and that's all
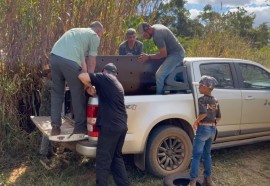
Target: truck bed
(44, 125)
(140, 78)
(136, 78)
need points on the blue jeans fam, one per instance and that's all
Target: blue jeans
(202, 149)
(165, 69)
(45, 146)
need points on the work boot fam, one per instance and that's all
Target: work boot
(207, 181)
(192, 183)
(55, 131)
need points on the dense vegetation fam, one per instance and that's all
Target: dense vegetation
(28, 29)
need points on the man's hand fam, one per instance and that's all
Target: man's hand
(91, 91)
(143, 58)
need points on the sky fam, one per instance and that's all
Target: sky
(258, 7)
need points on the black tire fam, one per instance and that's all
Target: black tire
(178, 179)
(168, 151)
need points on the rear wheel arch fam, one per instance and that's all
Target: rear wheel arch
(169, 147)
(177, 122)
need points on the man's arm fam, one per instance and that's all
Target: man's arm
(91, 64)
(218, 120)
(162, 54)
(198, 120)
(85, 79)
(84, 66)
(122, 49)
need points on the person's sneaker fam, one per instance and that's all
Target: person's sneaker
(45, 162)
(55, 131)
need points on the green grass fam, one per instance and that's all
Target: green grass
(80, 171)
(237, 166)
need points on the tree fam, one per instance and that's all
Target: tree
(211, 19)
(260, 36)
(239, 21)
(174, 15)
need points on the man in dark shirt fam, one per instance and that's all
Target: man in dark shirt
(112, 123)
(131, 46)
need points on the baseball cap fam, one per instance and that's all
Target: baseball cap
(110, 67)
(143, 27)
(207, 81)
(131, 31)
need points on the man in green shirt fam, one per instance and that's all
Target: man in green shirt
(74, 52)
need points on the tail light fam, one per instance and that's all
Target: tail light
(91, 120)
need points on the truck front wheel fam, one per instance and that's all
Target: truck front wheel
(168, 151)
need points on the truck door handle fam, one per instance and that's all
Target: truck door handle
(249, 98)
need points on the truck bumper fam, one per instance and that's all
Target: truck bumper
(87, 148)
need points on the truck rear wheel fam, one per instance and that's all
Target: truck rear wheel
(169, 150)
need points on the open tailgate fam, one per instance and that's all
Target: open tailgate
(43, 123)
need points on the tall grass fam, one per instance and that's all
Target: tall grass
(227, 44)
(28, 30)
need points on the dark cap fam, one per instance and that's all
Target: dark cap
(207, 81)
(110, 67)
(143, 27)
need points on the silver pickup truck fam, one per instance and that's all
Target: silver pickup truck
(160, 130)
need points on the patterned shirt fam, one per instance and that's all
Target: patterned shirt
(136, 50)
(210, 106)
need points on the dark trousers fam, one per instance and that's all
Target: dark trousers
(64, 70)
(109, 157)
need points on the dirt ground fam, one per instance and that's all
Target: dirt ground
(237, 166)
(243, 165)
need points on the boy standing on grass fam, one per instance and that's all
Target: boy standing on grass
(205, 128)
